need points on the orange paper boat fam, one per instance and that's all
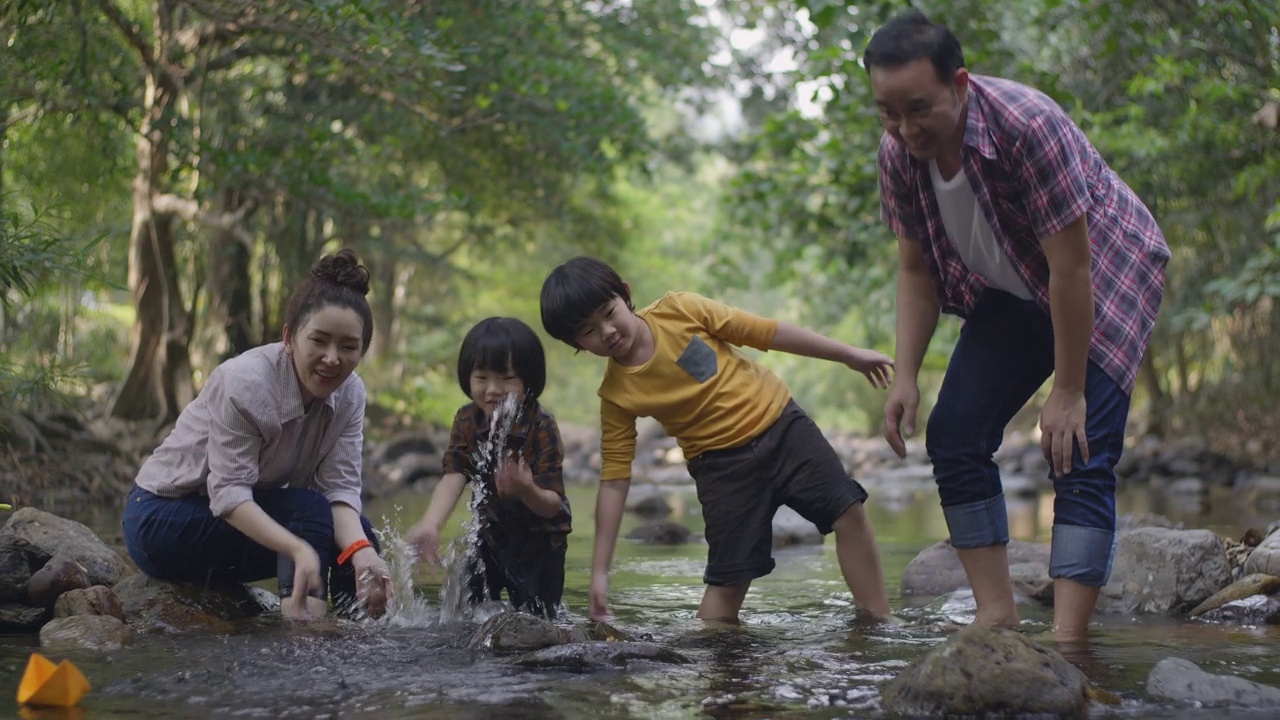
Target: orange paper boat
(43, 683)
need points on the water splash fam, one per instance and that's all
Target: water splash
(463, 553)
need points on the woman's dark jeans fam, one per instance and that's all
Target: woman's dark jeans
(180, 540)
(1005, 353)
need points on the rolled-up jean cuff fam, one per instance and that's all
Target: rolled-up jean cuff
(1082, 554)
(978, 524)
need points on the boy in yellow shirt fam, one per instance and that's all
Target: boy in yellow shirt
(749, 446)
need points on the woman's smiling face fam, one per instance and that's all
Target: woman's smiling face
(325, 350)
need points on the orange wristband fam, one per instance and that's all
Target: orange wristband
(352, 549)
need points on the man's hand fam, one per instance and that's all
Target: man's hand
(900, 415)
(599, 597)
(1062, 421)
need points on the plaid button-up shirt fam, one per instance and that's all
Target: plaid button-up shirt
(1034, 172)
(536, 437)
(248, 429)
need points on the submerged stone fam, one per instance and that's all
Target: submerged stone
(600, 654)
(1247, 586)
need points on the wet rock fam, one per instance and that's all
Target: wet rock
(1031, 580)
(790, 528)
(936, 570)
(96, 600)
(1252, 610)
(1178, 680)
(1248, 586)
(86, 632)
(19, 618)
(19, 559)
(60, 574)
(600, 654)
(661, 532)
(512, 630)
(956, 679)
(53, 535)
(1265, 558)
(647, 501)
(1157, 570)
(152, 605)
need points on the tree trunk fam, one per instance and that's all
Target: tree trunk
(230, 297)
(158, 383)
(1158, 403)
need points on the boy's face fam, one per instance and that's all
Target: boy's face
(610, 331)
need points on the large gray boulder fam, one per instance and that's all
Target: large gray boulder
(53, 535)
(1178, 680)
(1162, 570)
(152, 605)
(1266, 557)
(988, 672)
(936, 570)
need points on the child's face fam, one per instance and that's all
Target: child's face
(490, 387)
(610, 331)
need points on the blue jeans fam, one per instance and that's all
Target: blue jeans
(180, 540)
(1005, 353)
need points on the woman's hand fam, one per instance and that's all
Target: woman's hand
(373, 581)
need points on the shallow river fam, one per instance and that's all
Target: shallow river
(799, 653)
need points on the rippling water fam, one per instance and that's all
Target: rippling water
(801, 652)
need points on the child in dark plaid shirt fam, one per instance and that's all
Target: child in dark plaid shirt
(508, 447)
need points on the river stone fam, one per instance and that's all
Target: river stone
(1248, 586)
(790, 528)
(936, 570)
(19, 560)
(647, 501)
(511, 630)
(96, 600)
(1253, 610)
(54, 535)
(660, 532)
(1181, 680)
(1159, 570)
(1266, 557)
(60, 574)
(152, 605)
(600, 654)
(981, 672)
(19, 618)
(87, 632)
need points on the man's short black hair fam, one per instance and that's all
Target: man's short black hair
(575, 289)
(911, 36)
(498, 344)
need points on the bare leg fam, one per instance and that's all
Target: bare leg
(1073, 605)
(722, 602)
(988, 571)
(860, 561)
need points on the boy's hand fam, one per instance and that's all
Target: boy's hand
(877, 367)
(514, 479)
(599, 597)
(425, 540)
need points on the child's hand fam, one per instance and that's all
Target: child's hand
(514, 479)
(877, 367)
(425, 540)
(598, 597)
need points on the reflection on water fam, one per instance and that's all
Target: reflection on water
(800, 652)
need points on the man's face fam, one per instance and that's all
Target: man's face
(924, 113)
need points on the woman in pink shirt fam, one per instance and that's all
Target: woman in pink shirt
(261, 474)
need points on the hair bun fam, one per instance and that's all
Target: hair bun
(343, 269)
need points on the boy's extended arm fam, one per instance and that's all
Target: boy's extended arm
(611, 501)
(802, 341)
(443, 499)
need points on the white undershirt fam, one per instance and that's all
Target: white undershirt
(971, 234)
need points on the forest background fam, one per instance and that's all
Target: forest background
(169, 169)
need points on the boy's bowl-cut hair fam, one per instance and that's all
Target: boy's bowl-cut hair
(499, 343)
(575, 289)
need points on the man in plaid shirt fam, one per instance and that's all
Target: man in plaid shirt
(1007, 216)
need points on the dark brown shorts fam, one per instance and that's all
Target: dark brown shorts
(741, 488)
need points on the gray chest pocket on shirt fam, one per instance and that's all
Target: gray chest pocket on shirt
(698, 359)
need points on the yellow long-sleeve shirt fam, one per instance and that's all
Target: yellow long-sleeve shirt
(698, 385)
